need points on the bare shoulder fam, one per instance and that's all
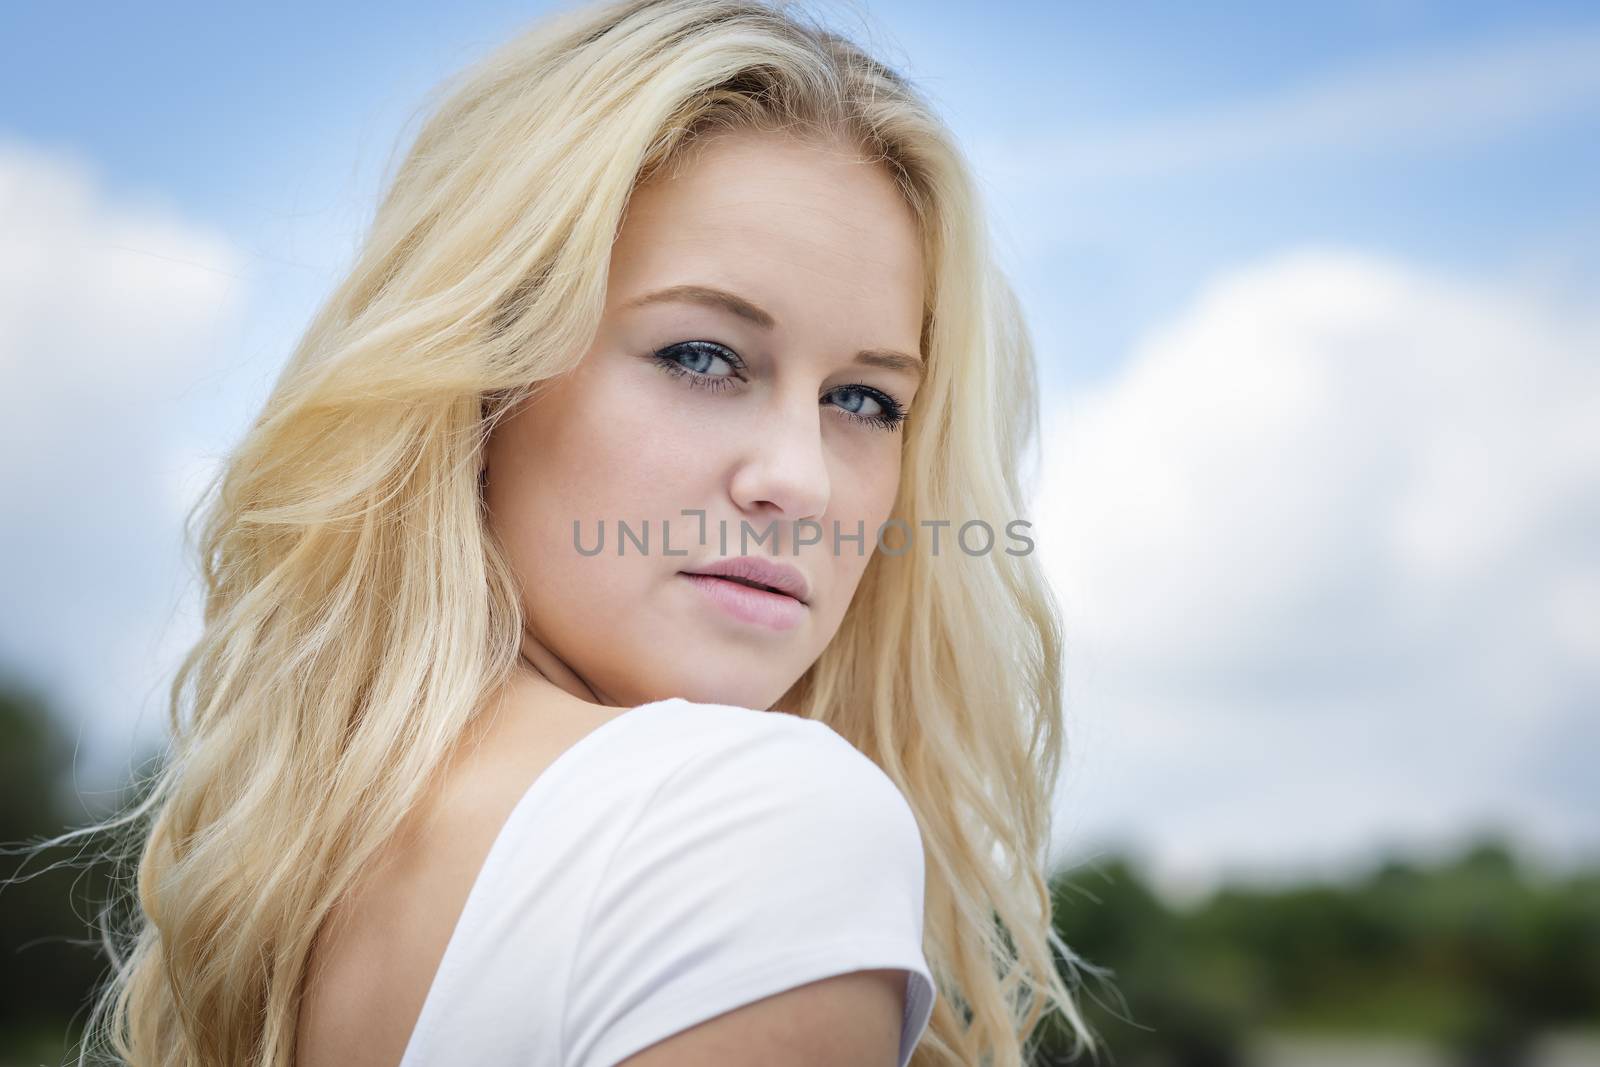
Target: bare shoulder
(373, 962)
(852, 1020)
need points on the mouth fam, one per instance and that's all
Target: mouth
(760, 574)
(744, 581)
(748, 601)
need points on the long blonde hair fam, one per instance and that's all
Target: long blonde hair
(358, 612)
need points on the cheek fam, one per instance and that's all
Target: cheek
(872, 481)
(864, 494)
(605, 446)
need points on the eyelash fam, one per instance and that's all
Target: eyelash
(891, 419)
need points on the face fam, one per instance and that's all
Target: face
(725, 378)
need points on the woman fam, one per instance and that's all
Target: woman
(454, 785)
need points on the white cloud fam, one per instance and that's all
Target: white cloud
(1326, 548)
(112, 315)
(1414, 101)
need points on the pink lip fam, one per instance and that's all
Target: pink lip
(774, 574)
(774, 610)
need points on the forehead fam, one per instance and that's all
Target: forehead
(792, 225)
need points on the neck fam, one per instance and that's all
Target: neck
(549, 667)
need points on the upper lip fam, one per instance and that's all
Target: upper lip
(780, 576)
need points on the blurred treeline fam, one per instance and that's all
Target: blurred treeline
(1474, 955)
(51, 957)
(1473, 958)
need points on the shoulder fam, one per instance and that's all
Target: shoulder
(738, 770)
(769, 852)
(767, 739)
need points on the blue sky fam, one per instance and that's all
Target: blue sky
(1383, 217)
(249, 118)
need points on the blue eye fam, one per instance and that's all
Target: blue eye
(700, 356)
(694, 360)
(888, 414)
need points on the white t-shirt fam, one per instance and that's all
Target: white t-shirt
(677, 862)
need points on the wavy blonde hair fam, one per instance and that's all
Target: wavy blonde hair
(358, 612)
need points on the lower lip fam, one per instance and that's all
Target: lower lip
(743, 602)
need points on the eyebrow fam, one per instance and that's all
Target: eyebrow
(722, 300)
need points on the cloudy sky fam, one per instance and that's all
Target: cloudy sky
(1315, 300)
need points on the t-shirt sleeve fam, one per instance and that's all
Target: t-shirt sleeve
(758, 865)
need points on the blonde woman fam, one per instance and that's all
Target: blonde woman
(562, 698)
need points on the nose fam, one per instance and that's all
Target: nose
(783, 470)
